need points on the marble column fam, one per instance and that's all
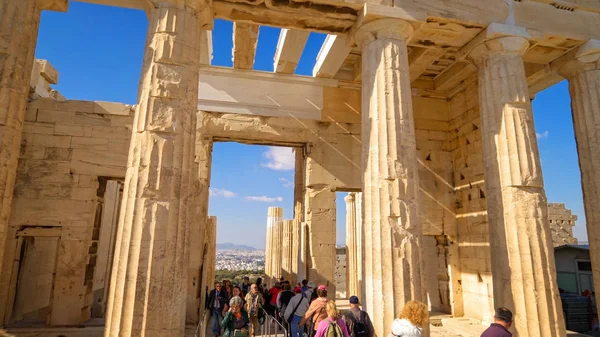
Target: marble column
(583, 73)
(359, 245)
(393, 272)
(149, 288)
(19, 25)
(211, 251)
(197, 219)
(523, 269)
(351, 246)
(286, 249)
(276, 251)
(275, 215)
(298, 272)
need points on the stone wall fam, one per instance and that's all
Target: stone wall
(68, 151)
(472, 227)
(561, 223)
(340, 272)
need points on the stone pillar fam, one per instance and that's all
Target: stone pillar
(197, 219)
(275, 215)
(211, 251)
(276, 251)
(393, 267)
(524, 275)
(149, 288)
(583, 73)
(359, 245)
(351, 246)
(286, 249)
(298, 270)
(19, 24)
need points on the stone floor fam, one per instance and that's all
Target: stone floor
(442, 326)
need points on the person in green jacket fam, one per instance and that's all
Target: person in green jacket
(235, 322)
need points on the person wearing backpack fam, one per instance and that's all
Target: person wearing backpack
(295, 311)
(358, 321)
(333, 325)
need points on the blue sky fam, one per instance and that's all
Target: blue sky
(98, 52)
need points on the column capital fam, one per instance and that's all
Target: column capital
(200, 7)
(384, 29)
(497, 39)
(587, 58)
(351, 197)
(53, 5)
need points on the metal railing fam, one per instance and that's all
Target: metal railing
(267, 327)
(201, 324)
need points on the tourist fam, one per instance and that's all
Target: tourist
(503, 319)
(317, 311)
(254, 303)
(217, 300)
(412, 319)
(283, 298)
(260, 285)
(295, 311)
(237, 291)
(358, 321)
(246, 285)
(235, 323)
(333, 325)
(307, 289)
(273, 292)
(229, 290)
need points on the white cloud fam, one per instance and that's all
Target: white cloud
(219, 192)
(286, 183)
(280, 158)
(264, 198)
(542, 135)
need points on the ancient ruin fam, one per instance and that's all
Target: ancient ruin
(562, 222)
(421, 108)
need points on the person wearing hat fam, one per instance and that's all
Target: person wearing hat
(295, 311)
(317, 311)
(358, 321)
(503, 319)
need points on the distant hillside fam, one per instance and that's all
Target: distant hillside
(230, 246)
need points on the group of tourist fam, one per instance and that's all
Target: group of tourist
(237, 310)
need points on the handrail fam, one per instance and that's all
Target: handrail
(270, 319)
(200, 322)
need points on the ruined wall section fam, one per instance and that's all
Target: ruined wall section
(66, 147)
(472, 226)
(562, 222)
(436, 195)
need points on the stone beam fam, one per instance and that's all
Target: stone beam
(538, 18)
(455, 74)
(334, 51)
(289, 50)
(245, 38)
(421, 58)
(54, 5)
(293, 17)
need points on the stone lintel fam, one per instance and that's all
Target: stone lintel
(54, 5)
(384, 29)
(586, 58)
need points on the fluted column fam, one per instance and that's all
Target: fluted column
(298, 270)
(523, 269)
(275, 215)
(19, 25)
(276, 251)
(393, 269)
(211, 250)
(149, 288)
(359, 245)
(351, 246)
(583, 73)
(286, 249)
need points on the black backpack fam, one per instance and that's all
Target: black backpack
(358, 328)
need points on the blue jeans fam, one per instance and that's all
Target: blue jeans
(216, 324)
(297, 330)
